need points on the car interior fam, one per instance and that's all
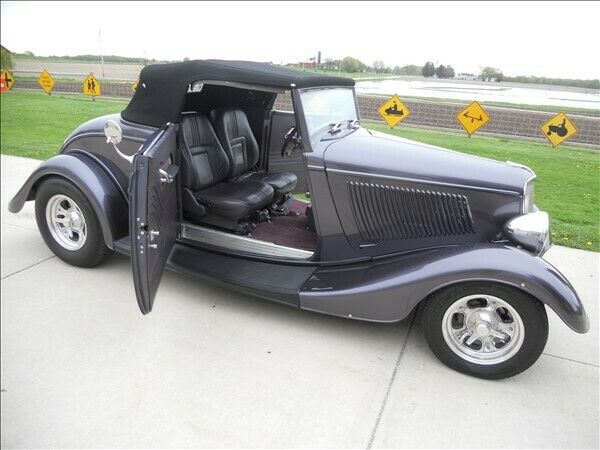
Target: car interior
(230, 195)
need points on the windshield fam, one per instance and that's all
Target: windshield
(323, 107)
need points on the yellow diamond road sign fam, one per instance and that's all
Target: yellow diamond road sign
(393, 111)
(91, 86)
(8, 78)
(46, 81)
(472, 118)
(558, 129)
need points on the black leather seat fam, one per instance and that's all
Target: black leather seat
(241, 147)
(204, 167)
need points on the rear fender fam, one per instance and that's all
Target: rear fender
(388, 291)
(107, 198)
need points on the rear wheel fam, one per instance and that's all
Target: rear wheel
(487, 330)
(69, 224)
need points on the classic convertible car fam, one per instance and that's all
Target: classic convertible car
(200, 173)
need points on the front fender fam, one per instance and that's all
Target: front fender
(387, 291)
(102, 191)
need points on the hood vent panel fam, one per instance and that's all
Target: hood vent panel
(383, 212)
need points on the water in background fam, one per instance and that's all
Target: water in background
(490, 92)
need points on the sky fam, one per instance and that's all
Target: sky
(554, 39)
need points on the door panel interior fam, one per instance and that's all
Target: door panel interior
(153, 212)
(281, 122)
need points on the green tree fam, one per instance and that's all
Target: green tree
(378, 66)
(428, 70)
(450, 72)
(491, 74)
(411, 69)
(350, 64)
(440, 71)
(331, 64)
(6, 61)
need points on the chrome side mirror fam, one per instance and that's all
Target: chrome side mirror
(113, 132)
(114, 135)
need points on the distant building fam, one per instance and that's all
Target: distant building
(311, 63)
(467, 76)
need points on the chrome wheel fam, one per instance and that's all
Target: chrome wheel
(483, 329)
(66, 222)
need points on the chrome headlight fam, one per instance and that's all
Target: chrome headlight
(531, 231)
(527, 205)
(529, 191)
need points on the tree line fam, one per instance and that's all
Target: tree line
(429, 70)
(350, 64)
(353, 65)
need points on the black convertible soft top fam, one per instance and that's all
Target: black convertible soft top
(162, 87)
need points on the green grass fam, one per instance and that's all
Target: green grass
(567, 185)
(35, 125)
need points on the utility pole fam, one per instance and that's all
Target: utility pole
(101, 55)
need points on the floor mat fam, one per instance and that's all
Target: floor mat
(289, 230)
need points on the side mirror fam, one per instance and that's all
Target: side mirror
(114, 135)
(113, 132)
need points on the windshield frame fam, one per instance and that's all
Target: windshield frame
(309, 145)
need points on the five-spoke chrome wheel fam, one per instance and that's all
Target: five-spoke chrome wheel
(483, 329)
(66, 222)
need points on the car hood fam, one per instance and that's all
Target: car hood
(383, 155)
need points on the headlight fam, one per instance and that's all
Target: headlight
(528, 206)
(531, 231)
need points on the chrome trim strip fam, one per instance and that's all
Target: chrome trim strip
(414, 180)
(313, 167)
(239, 243)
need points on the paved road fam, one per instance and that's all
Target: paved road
(212, 368)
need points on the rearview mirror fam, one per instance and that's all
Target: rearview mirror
(113, 132)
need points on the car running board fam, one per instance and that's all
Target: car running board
(230, 241)
(272, 281)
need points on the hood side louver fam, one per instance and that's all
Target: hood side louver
(383, 212)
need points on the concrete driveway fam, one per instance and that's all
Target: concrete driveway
(81, 367)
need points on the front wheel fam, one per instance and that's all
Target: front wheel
(487, 330)
(69, 224)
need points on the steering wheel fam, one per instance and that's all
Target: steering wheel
(291, 143)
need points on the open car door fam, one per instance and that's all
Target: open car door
(153, 212)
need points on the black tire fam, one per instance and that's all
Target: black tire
(94, 250)
(531, 311)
